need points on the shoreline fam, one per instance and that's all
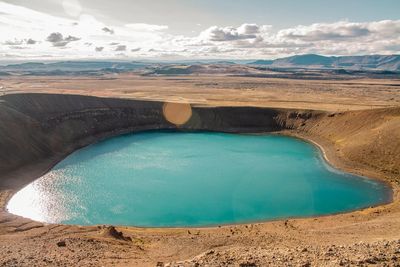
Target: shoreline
(393, 188)
(62, 126)
(360, 173)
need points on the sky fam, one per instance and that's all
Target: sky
(196, 29)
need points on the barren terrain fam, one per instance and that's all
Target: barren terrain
(355, 122)
(220, 90)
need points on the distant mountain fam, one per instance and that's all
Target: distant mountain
(373, 62)
(262, 62)
(94, 65)
(24, 66)
(73, 66)
(223, 62)
(205, 69)
(387, 65)
(305, 60)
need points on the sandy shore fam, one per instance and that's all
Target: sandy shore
(363, 237)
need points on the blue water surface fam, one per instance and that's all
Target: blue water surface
(193, 179)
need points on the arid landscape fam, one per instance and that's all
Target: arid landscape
(356, 122)
(221, 90)
(190, 133)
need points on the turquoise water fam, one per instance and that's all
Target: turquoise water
(193, 179)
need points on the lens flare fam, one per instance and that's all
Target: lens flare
(177, 113)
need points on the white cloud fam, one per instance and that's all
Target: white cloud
(345, 37)
(319, 32)
(343, 30)
(143, 27)
(120, 48)
(37, 34)
(14, 42)
(245, 31)
(339, 38)
(108, 30)
(49, 33)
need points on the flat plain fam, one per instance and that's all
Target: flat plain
(220, 90)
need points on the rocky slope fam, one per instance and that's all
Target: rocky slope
(42, 128)
(37, 130)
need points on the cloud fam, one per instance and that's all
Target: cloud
(146, 27)
(20, 42)
(71, 38)
(251, 28)
(318, 32)
(13, 42)
(120, 48)
(219, 34)
(341, 31)
(55, 37)
(58, 40)
(31, 41)
(19, 47)
(108, 30)
(385, 28)
(74, 33)
(338, 38)
(343, 37)
(245, 31)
